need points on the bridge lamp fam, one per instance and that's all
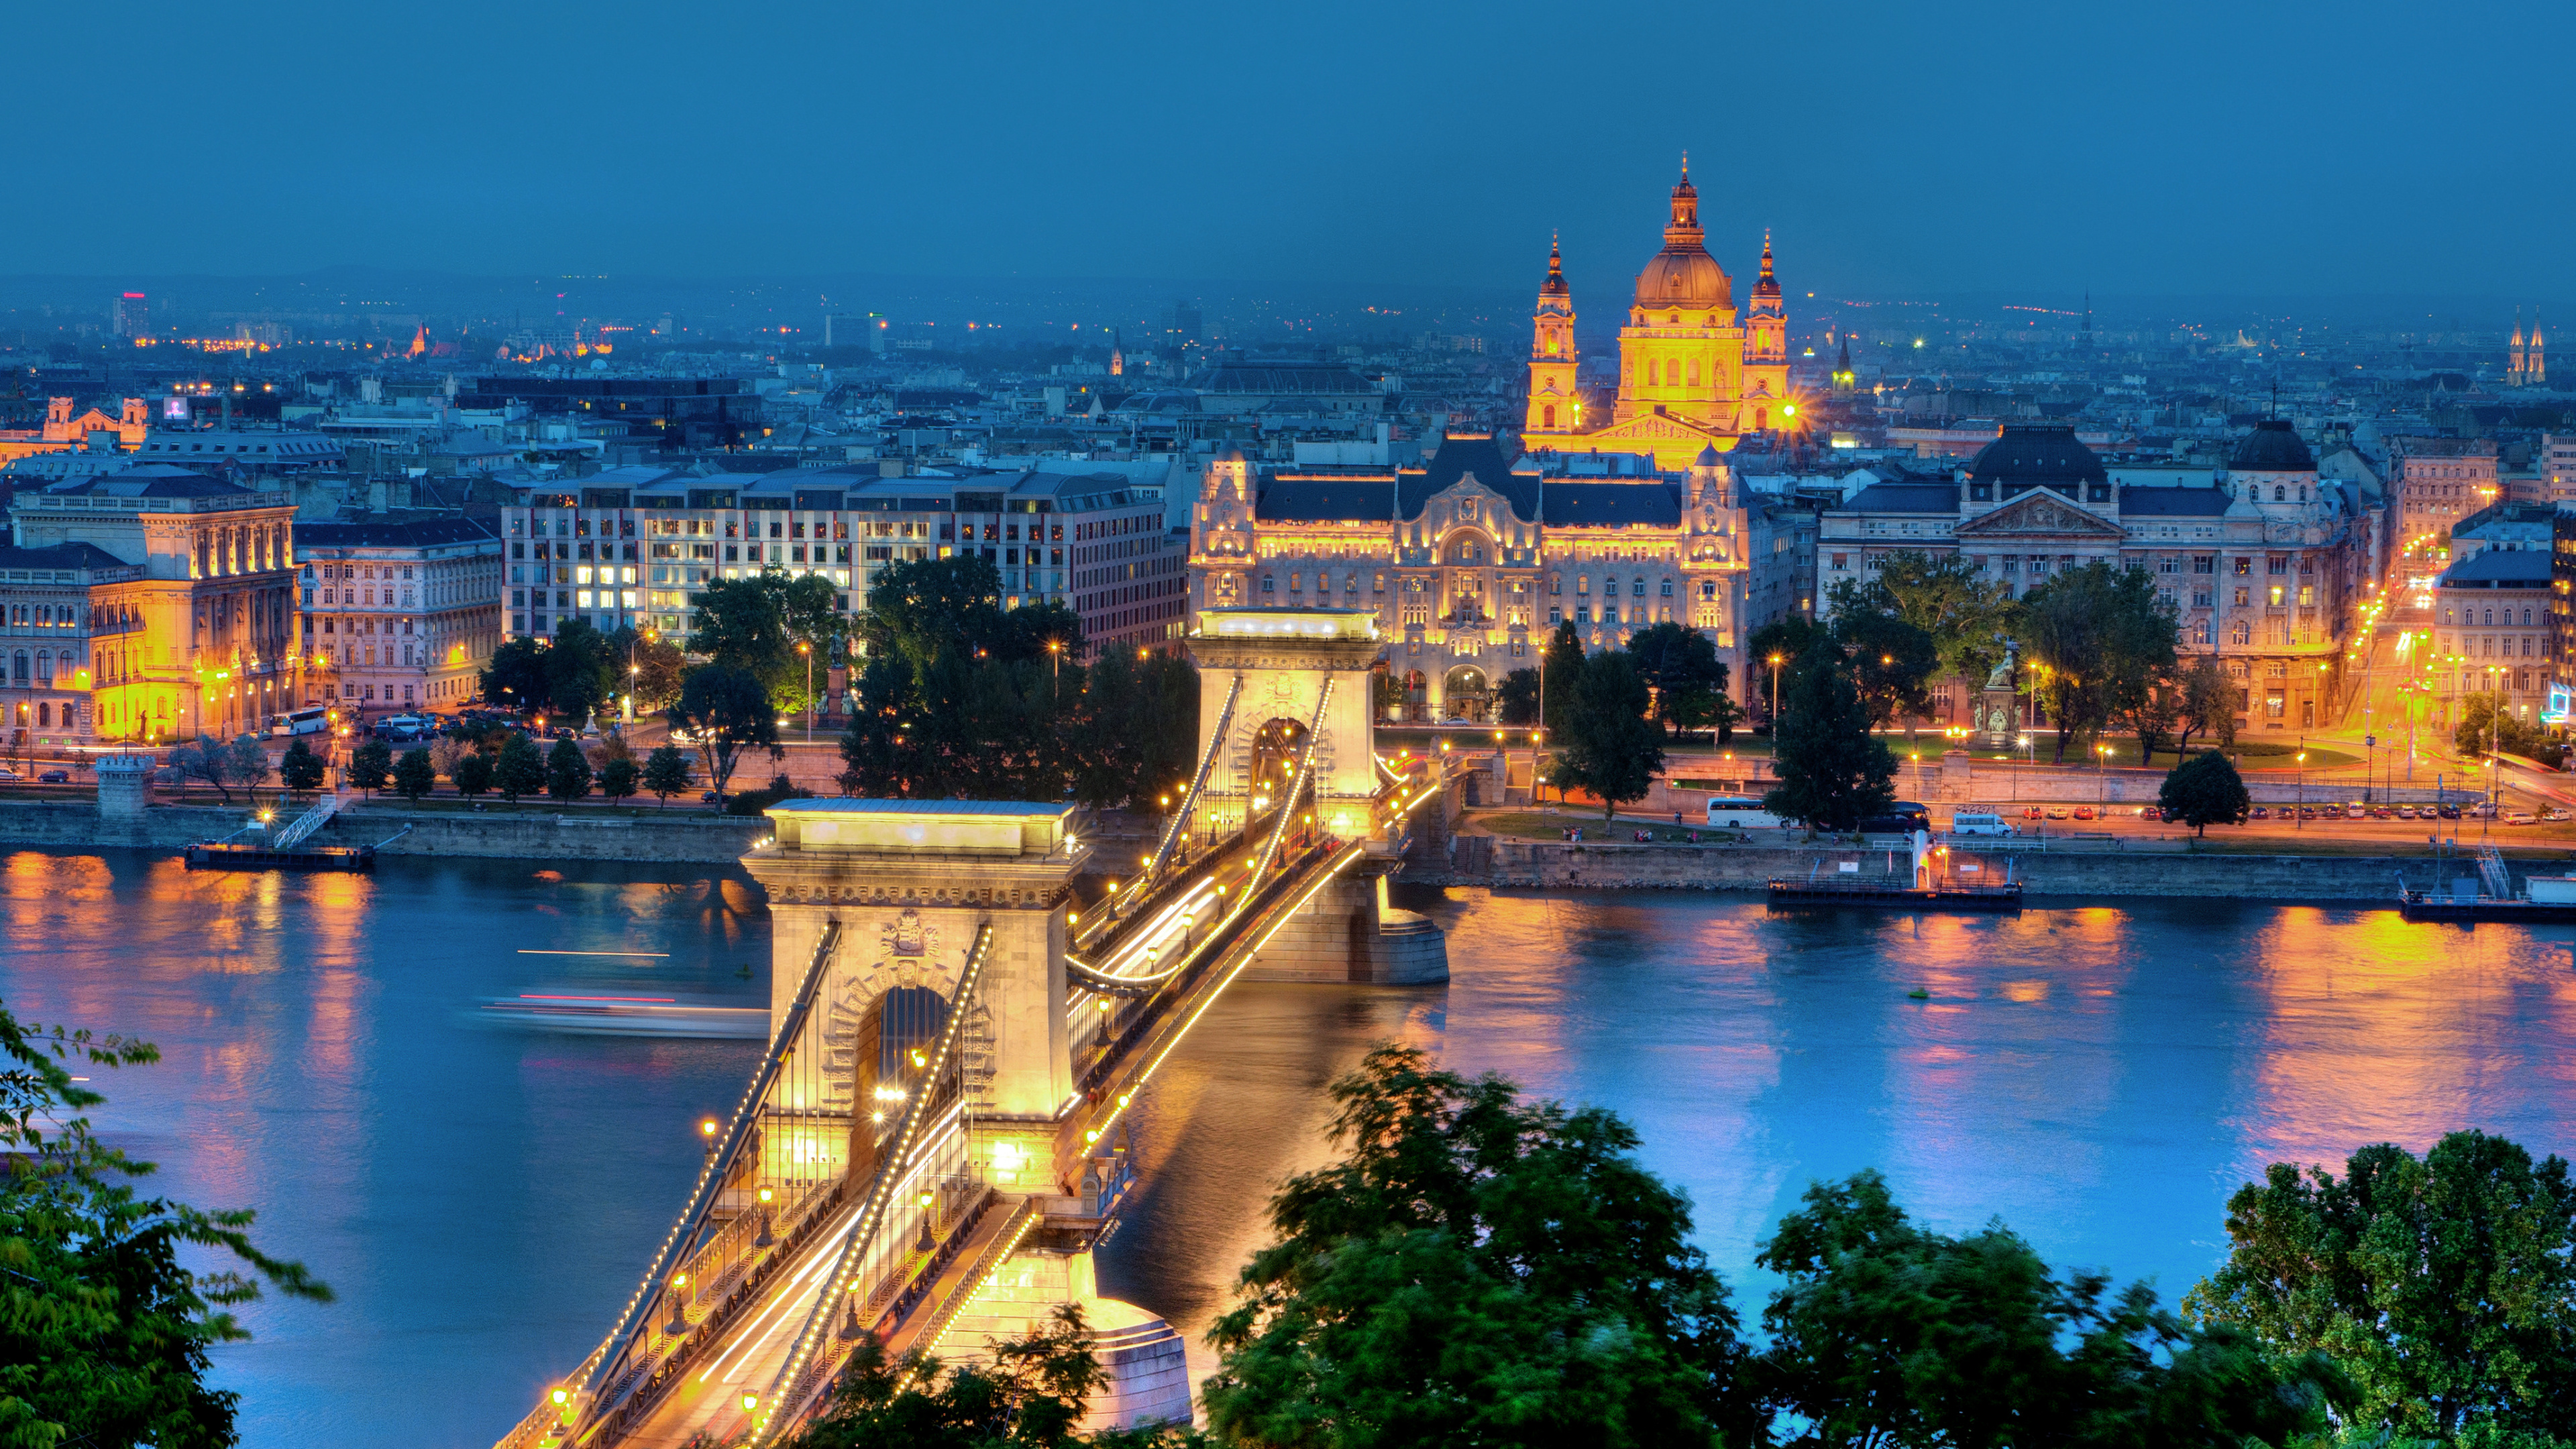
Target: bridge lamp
(707, 1128)
(764, 1194)
(750, 1402)
(562, 1396)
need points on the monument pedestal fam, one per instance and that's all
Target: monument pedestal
(1998, 717)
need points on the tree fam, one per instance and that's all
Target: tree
(1832, 772)
(2488, 724)
(2099, 637)
(210, 760)
(1891, 662)
(516, 679)
(415, 776)
(583, 670)
(370, 764)
(2444, 1285)
(2203, 791)
(1965, 615)
(1032, 1394)
(726, 709)
(2208, 704)
(1786, 641)
(741, 624)
(520, 770)
(567, 771)
(104, 1331)
(473, 773)
(1888, 1333)
(1476, 1269)
(657, 663)
(1680, 665)
(666, 772)
(249, 765)
(617, 779)
(1559, 670)
(1516, 698)
(299, 769)
(1608, 746)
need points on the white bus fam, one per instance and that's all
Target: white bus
(1738, 812)
(301, 722)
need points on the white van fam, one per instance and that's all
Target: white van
(1739, 812)
(1979, 822)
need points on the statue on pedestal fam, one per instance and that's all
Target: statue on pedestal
(1998, 705)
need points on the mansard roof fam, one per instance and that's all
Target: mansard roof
(2175, 502)
(1463, 455)
(1367, 498)
(1648, 502)
(1902, 498)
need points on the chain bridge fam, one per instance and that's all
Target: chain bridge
(938, 1132)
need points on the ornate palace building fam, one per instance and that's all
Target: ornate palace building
(1692, 375)
(1471, 560)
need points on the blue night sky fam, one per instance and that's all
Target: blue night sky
(1895, 149)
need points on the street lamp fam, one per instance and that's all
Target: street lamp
(1775, 694)
(807, 649)
(2300, 820)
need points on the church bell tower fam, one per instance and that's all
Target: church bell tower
(1555, 406)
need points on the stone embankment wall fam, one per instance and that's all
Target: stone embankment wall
(513, 835)
(1547, 865)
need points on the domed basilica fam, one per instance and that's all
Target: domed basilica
(1692, 373)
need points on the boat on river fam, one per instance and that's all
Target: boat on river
(601, 1015)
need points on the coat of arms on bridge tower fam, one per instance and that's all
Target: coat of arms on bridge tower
(905, 935)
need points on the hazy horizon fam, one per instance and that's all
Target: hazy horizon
(1893, 150)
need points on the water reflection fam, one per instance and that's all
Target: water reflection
(481, 1200)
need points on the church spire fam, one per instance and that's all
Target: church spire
(1554, 286)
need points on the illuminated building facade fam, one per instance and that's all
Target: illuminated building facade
(397, 615)
(2492, 625)
(2264, 568)
(636, 548)
(2437, 482)
(184, 620)
(1694, 373)
(1472, 560)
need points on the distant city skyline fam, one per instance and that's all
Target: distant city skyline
(1890, 150)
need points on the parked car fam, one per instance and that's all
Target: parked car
(55, 777)
(2554, 812)
(2033, 812)
(2379, 812)
(2307, 812)
(2261, 812)
(2520, 817)
(2331, 812)
(2448, 812)
(2056, 812)
(2483, 810)
(8, 774)
(2083, 812)
(2405, 812)
(2150, 812)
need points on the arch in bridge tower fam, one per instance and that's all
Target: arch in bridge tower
(910, 883)
(1284, 658)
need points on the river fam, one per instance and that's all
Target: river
(2100, 1078)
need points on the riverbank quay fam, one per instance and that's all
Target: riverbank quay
(534, 829)
(2063, 869)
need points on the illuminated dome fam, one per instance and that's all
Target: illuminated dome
(1683, 276)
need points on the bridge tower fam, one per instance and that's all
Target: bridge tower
(1263, 677)
(911, 885)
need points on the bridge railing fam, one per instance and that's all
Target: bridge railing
(588, 1392)
(865, 1242)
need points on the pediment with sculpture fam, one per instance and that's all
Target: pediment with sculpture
(2040, 513)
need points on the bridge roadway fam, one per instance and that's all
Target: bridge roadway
(1160, 953)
